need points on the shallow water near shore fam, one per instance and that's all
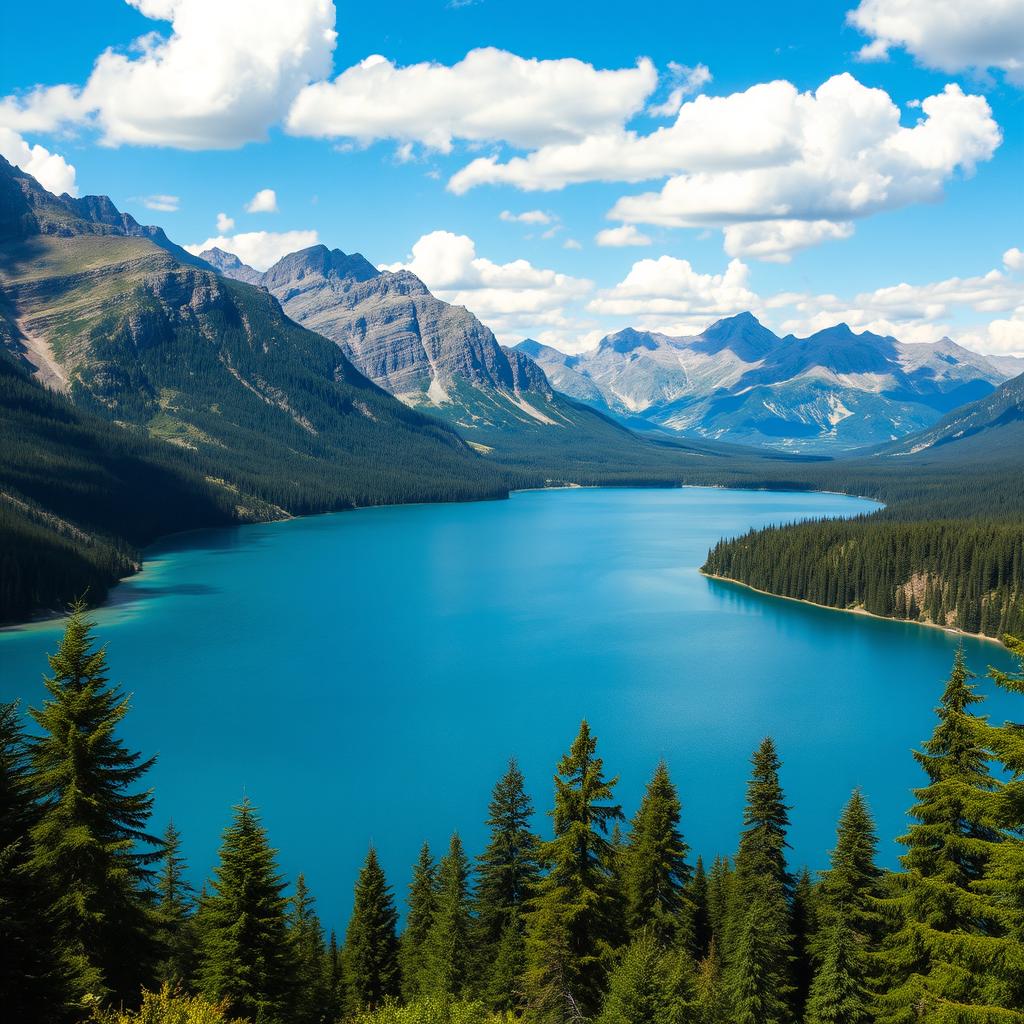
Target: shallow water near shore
(364, 677)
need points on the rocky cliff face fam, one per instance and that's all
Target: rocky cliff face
(425, 351)
(738, 381)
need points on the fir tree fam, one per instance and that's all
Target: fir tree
(572, 926)
(720, 885)
(803, 925)
(447, 951)
(175, 907)
(372, 971)
(937, 965)
(244, 954)
(698, 891)
(507, 875)
(760, 943)
(839, 993)
(90, 841)
(334, 972)
(422, 903)
(311, 999)
(642, 989)
(711, 1000)
(655, 872)
(34, 984)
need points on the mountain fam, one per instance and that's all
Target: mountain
(833, 391)
(440, 358)
(993, 424)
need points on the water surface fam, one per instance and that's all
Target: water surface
(364, 677)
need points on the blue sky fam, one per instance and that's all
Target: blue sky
(807, 202)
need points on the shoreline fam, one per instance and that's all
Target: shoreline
(52, 615)
(952, 630)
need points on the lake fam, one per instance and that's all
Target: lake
(364, 677)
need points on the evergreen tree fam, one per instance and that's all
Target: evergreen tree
(372, 973)
(839, 993)
(937, 965)
(34, 984)
(711, 1000)
(447, 952)
(803, 925)
(698, 891)
(642, 988)
(508, 872)
(310, 998)
(655, 872)
(572, 926)
(335, 974)
(244, 957)
(90, 840)
(175, 907)
(720, 885)
(422, 903)
(760, 942)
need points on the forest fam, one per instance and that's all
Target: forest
(603, 919)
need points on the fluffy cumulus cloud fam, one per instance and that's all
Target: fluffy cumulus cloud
(622, 236)
(260, 249)
(489, 96)
(683, 81)
(770, 154)
(225, 73)
(513, 299)
(658, 291)
(949, 35)
(51, 170)
(265, 201)
(225, 223)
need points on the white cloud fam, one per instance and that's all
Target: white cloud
(163, 203)
(489, 96)
(527, 217)
(1014, 259)
(51, 170)
(260, 249)
(770, 153)
(685, 81)
(265, 201)
(670, 286)
(571, 243)
(227, 71)
(225, 223)
(513, 299)
(775, 241)
(946, 34)
(621, 236)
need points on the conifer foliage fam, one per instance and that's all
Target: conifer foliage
(372, 970)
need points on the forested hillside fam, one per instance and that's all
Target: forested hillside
(598, 916)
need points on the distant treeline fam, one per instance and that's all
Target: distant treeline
(604, 920)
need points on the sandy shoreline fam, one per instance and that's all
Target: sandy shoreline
(854, 611)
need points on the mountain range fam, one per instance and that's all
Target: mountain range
(834, 391)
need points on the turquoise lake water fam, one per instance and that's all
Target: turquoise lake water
(364, 677)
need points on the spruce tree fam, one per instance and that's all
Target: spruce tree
(655, 871)
(937, 964)
(334, 972)
(711, 999)
(372, 972)
(698, 892)
(175, 907)
(572, 922)
(90, 841)
(422, 902)
(839, 993)
(447, 951)
(244, 957)
(758, 972)
(310, 995)
(34, 983)
(507, 875)
(720, 886)
(803, 926)
(642, 988)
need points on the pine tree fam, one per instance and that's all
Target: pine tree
(90, 841)
(720, 886)
(698, 891)
(447, 951)
(372, 971)
(803, 925)
(655, 872)
(334, 972)
(310, 998)
(759, 939)
(244, 958)
(711, 1000)
(572, 926)
(175, 906)
(849, 924)
(507, 874)
(34, 984)
(937, 963)
(422, 902)
(642, 989)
